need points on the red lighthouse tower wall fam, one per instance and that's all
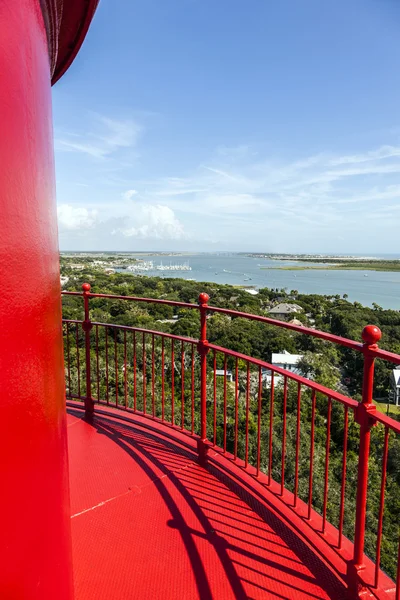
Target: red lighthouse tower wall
(35, 550)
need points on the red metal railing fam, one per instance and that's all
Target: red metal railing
(262, 417)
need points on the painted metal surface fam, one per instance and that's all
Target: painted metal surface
(149, 522)
(35, 550)
(362, 576)
(67, 23)
(37, 40)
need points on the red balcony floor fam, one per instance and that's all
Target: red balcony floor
(149, 523)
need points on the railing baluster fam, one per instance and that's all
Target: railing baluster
(381, 507)
(78, 362)
(259, 420)
(162, 380)
(327, 451)
(311, 471)
(182, 385)
(297, 457)
(107, 392)
(271, 424)
(236, 406)
(134, 373)
(215, 400)
(97, 364)
(153, 406)
(285, 385)
(125, 372)
(87, 326)
(116, 366)
(246, 460)
(344, 475)
(69, 362)
(225, 403)
(144, 406)
(193, 390)
(172, 383)
(203, 351)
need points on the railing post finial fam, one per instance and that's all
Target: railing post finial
(370, 335)
(87, 326)
(203, 351)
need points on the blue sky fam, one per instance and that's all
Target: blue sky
(232, 125)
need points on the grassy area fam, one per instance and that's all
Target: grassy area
(383, 408)
(341, 267)
(350, 265)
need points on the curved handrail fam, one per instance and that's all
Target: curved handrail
(350, 402)
(322, 335)
(134, 299)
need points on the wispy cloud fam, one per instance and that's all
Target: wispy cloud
(106, 136)
(242, 199)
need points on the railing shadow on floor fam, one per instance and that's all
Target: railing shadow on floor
(148, 448)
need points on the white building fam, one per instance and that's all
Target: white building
(286, 361)
(395, 385)
(221, 373)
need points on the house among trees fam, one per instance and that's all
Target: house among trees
(285, 310)
(221, 373)
(287, 361)
(283, 360)
(395, 385)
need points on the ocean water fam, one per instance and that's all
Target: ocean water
(365, 287)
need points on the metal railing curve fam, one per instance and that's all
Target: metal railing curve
(260, 416)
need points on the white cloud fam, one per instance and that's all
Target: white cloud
(72, 218)
(128, 195)
(107, 137)
(153, 221)
(241, 200)
(381, 153)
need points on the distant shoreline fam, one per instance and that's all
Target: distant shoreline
(386, 266)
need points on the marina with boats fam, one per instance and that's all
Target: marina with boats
(150, 266)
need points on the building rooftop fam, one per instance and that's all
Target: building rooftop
(285, 358)
(285, 308)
